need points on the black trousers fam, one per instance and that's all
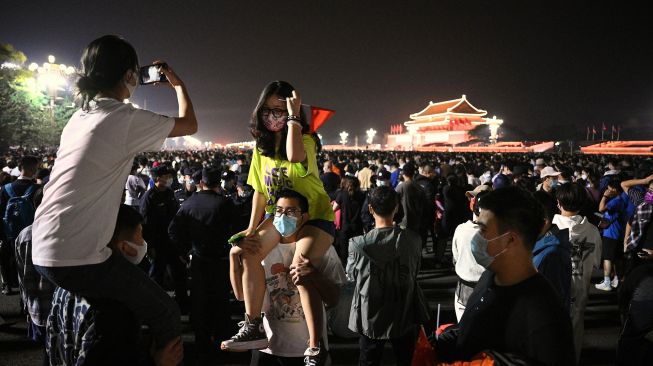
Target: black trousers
(165, 256)
(371, 350)
(209, 293)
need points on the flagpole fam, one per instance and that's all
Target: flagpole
(593, 132)
(612, 132)
(587, 137)
(602, 130)
(618, 131)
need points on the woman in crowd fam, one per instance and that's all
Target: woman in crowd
(77, 216)
(349, 200)
(285, 156)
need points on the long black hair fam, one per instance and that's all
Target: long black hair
(104, 63)
(264, 137)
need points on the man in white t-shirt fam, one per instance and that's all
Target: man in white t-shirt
(284, 321)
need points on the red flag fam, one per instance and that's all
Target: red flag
(318, 117)
(604, 128)
(393, 129)
(594, 130)
(614, 129)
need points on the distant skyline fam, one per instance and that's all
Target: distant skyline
(548, 71)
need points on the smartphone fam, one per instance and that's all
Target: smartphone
(152, 74)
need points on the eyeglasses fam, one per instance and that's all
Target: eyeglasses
(290, 211)
(277, 113)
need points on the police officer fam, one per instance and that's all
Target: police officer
(187, 187)
(158, 207)
(204, 224)
(228, 183)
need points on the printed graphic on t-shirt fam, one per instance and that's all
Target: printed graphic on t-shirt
(285, 303)
(276, 179)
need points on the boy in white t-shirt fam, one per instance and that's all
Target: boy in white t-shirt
(284, 321)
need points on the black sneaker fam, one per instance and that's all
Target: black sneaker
(250, 336)
(316, 356)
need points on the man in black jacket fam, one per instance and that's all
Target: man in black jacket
(204, 223)
(158, 207)
(24, 185)
(513, 310)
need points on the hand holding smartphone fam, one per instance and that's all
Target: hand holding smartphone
(151, 74)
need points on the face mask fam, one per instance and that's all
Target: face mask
(131, 88)
(648, 197)
(169, 182)
(479, 249)
(554, 183)
(583, 176)
(285, 225)
(380, 183)
(140, 252)
(274, 124)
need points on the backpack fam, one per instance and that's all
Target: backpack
(20, 211)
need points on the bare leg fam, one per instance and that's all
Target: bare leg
(313, 244)
(253, 272)
(607, 268)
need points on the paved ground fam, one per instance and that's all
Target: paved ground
(601, 321)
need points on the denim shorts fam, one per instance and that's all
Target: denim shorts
(325, 225)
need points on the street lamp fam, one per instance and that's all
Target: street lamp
(370, 135)
(343, 137)
(53, 77)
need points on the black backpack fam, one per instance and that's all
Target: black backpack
(20, 211)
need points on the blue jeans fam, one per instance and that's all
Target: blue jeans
(119, 280)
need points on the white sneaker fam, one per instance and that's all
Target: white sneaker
(615, 282)
(603, 286)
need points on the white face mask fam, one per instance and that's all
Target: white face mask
(169, 182)
(140, 252)
(131, 88)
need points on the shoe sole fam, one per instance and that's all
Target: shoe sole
(244, 346)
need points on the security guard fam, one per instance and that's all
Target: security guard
(158, 207)
(228, 183)
(203, 224)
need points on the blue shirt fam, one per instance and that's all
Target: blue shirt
(617, 214)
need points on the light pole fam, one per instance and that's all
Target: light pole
(343, 137)
(370, 135)
(53, 77)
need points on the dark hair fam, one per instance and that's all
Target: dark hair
(104, 63)
(29, 163)
(548, 203)
(383, 200)
(350, 185)
(571, 196)
(477, 199)
(615, 183)
(517, 210)
(408, 170)
(126, 223)
(289, 193)
(265, 138)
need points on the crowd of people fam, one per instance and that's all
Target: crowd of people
(95, 232)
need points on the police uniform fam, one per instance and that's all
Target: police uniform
(203, 224)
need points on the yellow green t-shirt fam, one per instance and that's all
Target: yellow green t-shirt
(269, 176)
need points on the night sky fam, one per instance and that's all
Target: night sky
(548, 71)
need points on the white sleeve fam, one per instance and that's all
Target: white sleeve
(147, 131)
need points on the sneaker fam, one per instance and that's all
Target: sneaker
(615, 282)
(316, 356)
(603, 286)
(251, 335)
